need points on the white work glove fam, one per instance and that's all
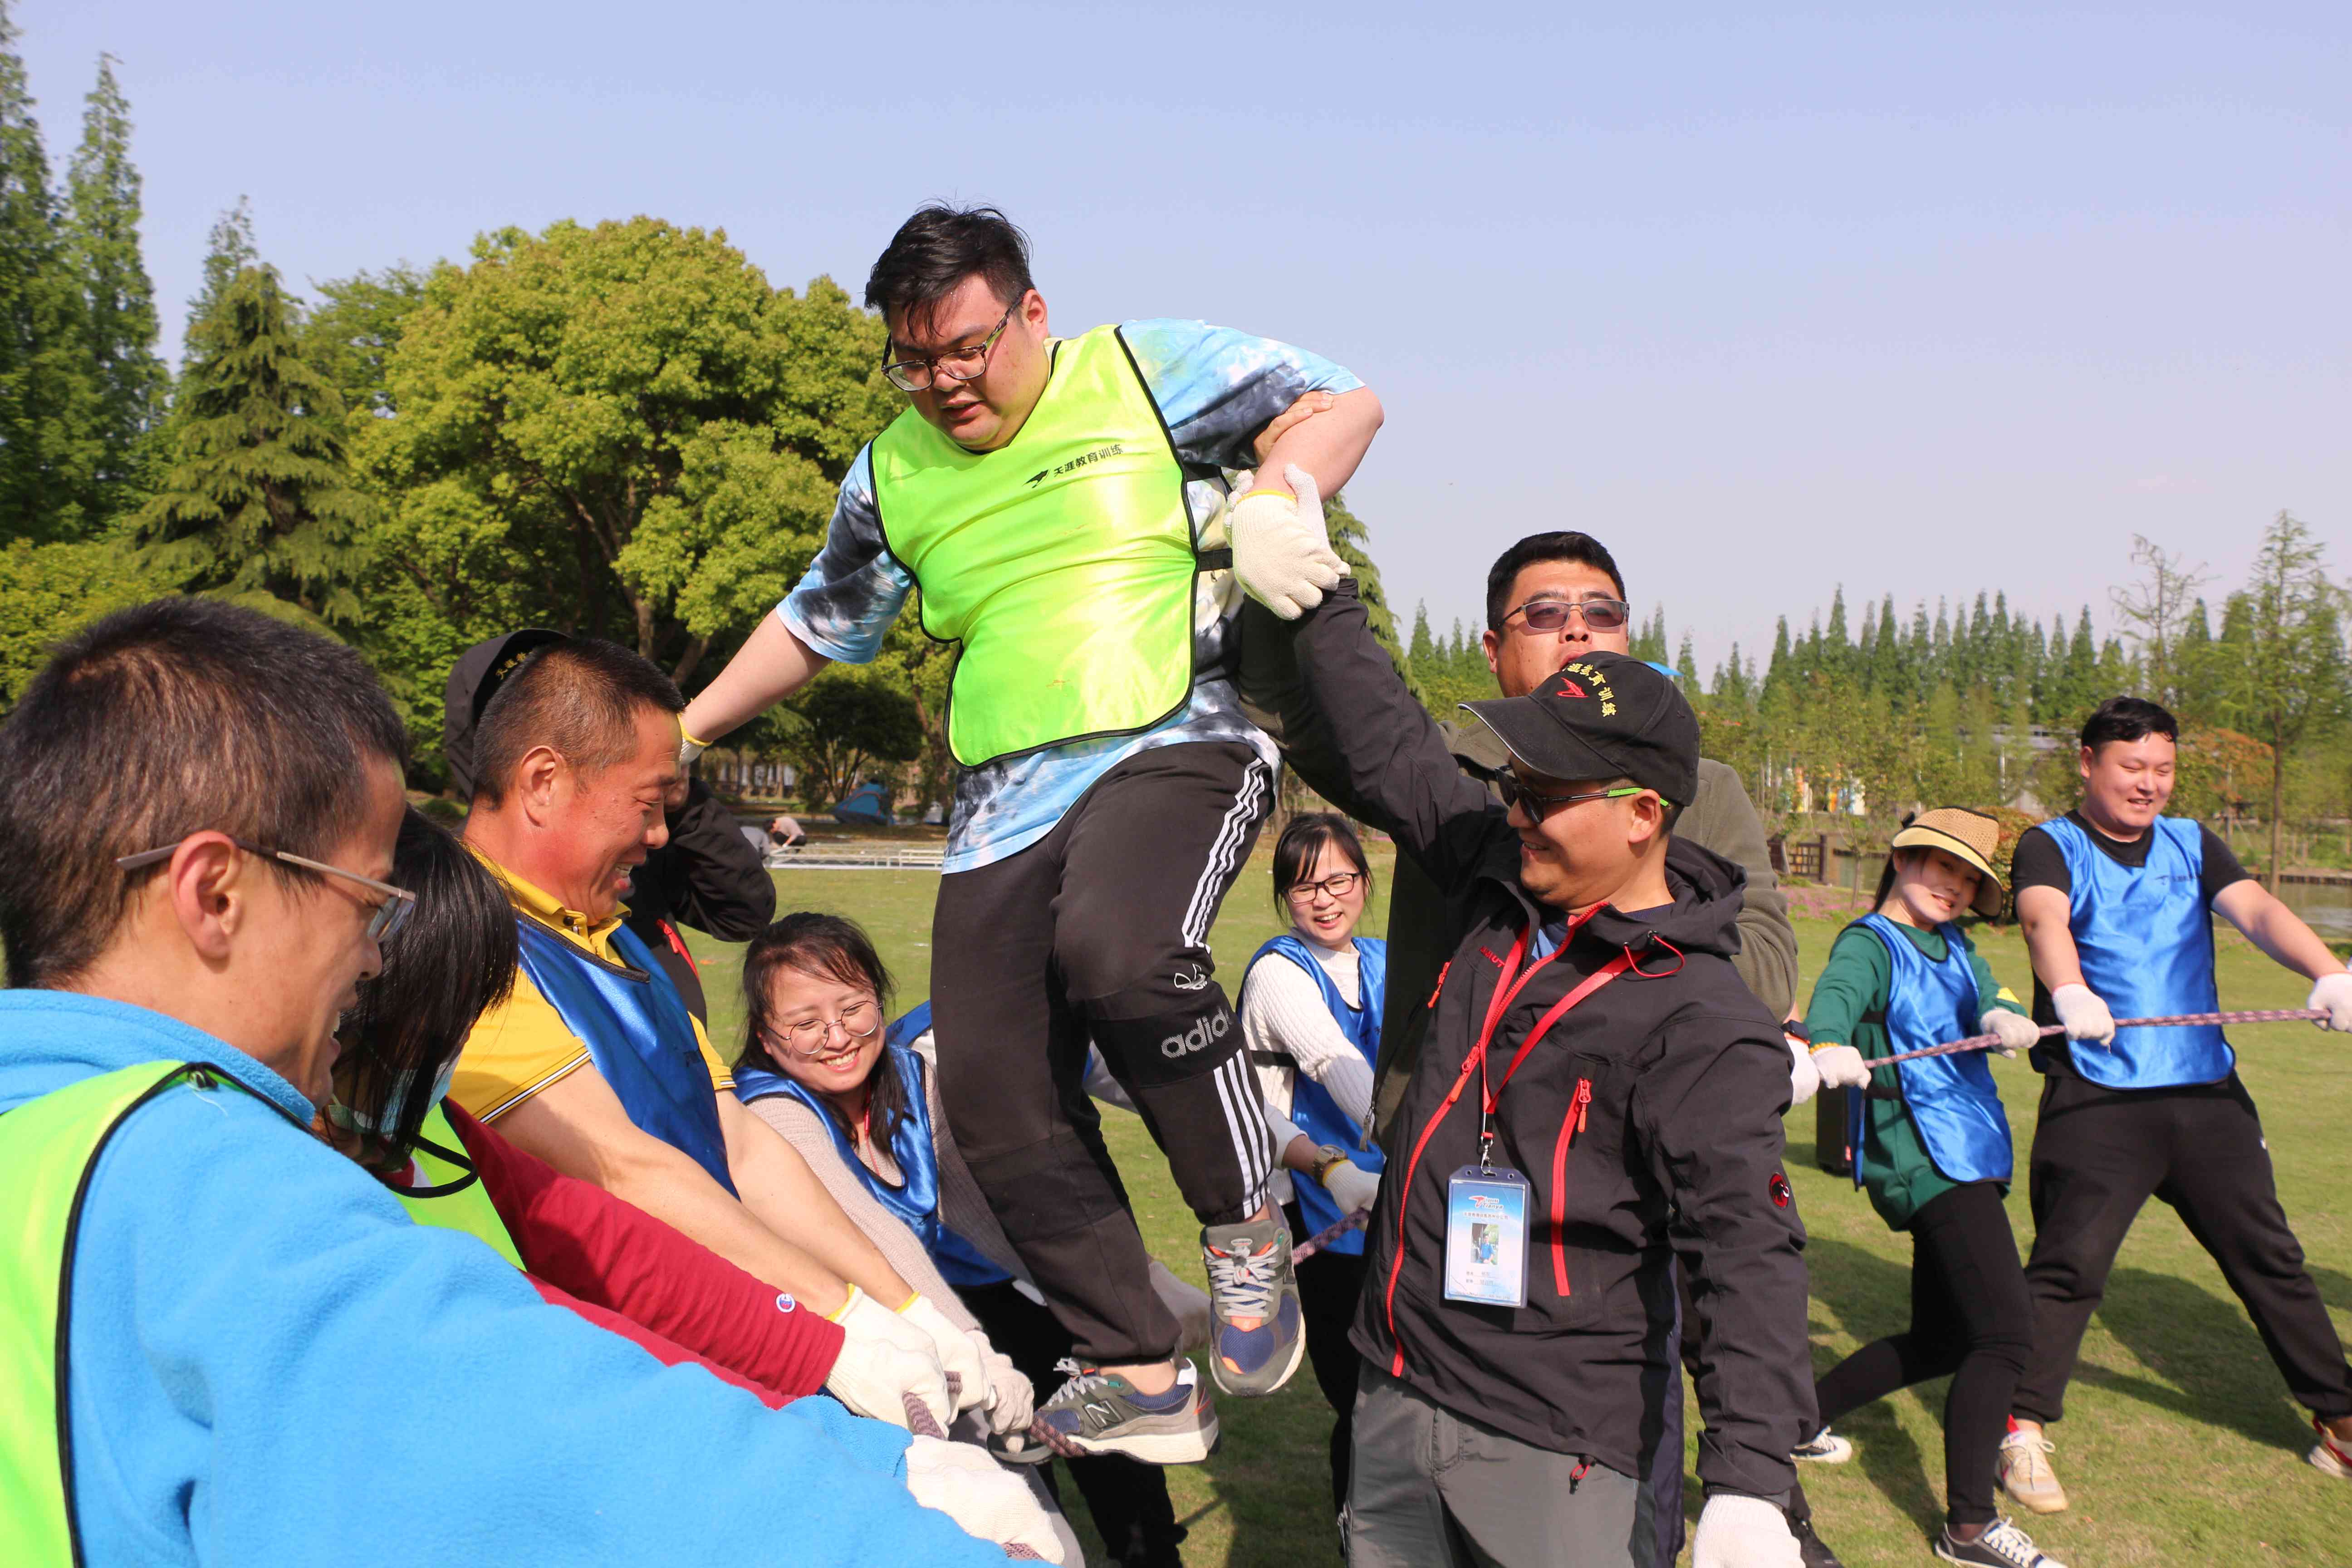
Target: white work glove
(1011, 1399)
(1744, 1531)
(982, 1497)
(882, 1359)
(1351, 1187)
(2334, 993)
(956, 1353)
(1804, 1078)
(1282, 556)
(1187, 1303)
(2086, 1017)
(2017, 1032)
(1840, 1067)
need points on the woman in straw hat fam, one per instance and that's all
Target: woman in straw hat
(1931, 1144)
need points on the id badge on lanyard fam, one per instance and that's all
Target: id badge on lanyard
(1486, 1217)
(1486, 1236)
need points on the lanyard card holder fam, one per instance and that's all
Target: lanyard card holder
(1486, 1236)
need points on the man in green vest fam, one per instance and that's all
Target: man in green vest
(1063, 509)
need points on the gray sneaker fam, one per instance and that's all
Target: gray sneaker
(1100, 1412)
(1255, 1333)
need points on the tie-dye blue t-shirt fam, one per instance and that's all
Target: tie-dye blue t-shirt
(1216, 389)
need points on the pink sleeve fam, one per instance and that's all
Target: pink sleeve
(611, 1255)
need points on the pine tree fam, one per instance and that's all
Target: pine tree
(228, 252)
(47, 415)
(1350, 543)
(101, 238)
(1423, 647)
(260, 497)
(1686, 665)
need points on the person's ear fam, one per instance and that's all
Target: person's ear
(541, 780)
(208, 885)
(1493, 643)
(1648, 820)
(2082, 763)
(1033, 315)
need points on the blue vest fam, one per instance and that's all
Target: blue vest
(2145, 942)
(1951, 1100)
(912, 1148)
(1311, 1105)
(639, 1035)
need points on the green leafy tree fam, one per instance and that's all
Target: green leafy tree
(2282, 659)
(48, 436)
(854, 721)
(349, 336)
(101, 243)
(259, 497)
(49, 591)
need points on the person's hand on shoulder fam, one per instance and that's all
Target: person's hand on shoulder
(1744, 1533)
(2084, 1014)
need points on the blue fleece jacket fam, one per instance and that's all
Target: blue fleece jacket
(271, 1363)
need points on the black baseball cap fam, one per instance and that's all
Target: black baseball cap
(473, 680)
(1603, 716)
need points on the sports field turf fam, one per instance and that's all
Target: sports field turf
(2180, 1445)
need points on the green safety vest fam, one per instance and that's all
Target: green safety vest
(48, 1147)
(1063, 562)
(465, 1207)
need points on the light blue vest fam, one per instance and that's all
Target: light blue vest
(1311, 1105)
(1951, 1100)
(913, 1149)
(2145, 942)
(639, 1035)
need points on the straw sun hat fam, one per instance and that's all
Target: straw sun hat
(1966, 836)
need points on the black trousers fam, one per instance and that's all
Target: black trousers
(2099, 1155)
(1970, 1320)
(1099, 933)
(1128, 1498)
(1330, 1284)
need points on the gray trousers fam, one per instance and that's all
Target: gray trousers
(1430, 1490)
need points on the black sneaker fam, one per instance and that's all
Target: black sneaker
(2002, 1546)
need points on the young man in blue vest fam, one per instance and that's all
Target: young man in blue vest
(2114, 899)
(594, 1064)
(1061, 505)
(221, 1341)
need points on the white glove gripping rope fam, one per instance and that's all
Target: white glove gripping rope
(1840, 1067)
(883, 1361)
(967, 1376)
(2086, 1017)
(2017, 1032)
(2333, 996)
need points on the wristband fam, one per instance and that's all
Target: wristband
(909, 1301)
(1813, 1048)
(689, 748)
(847, 1302)
(1264, 491)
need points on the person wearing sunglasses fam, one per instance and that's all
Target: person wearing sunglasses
(215, 1331)
(1064, 505)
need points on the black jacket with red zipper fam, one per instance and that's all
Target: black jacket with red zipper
(1646, 1121)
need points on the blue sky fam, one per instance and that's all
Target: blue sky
(1769, 299)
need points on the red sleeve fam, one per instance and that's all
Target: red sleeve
(613, 1254)
(666, 1352)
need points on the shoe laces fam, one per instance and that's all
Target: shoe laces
(1242, 1283)
(2027, 1454)
(2011, 1544)
(1083, 1380)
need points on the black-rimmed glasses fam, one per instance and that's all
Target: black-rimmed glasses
(390, 914)
(916, 373)
(1338, 886)
(1551, 614)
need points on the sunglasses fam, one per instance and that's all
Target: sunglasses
(1551, 614)
(1541, 805)
(391, 913)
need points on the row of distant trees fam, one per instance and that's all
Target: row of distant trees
(624, 430)
(1979, 706)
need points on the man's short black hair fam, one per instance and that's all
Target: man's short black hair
(580, 698)
(1568, 545)
(935, 250)
(169, 718)
(2129, 719)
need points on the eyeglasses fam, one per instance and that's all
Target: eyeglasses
(810, 1036)
(391, 913)
(1551, 614)
(1541, 805)
(957, 364)
(1338, 886)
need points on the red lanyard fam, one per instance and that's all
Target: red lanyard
(1507, 987)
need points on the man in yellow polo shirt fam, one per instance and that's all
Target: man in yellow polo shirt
(594, 1064)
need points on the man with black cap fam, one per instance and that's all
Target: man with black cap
(1592, 1064)
(708, 876)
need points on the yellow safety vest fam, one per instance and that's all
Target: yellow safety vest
(1063, 562)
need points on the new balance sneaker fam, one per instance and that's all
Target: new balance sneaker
(1256, 1335)
(1099, 1412)
(2329, 1456)
(1823, 1448)
(2001, 1546)
(2025, 1473)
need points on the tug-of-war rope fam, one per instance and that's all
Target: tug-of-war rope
(2171, 1021)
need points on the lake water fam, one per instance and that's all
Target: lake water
(2327, 907)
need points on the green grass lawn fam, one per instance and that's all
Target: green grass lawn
(2180, 1445)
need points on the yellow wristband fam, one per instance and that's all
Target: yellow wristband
(909, 1301)
(847, 1302)
(690, 739)
(1821, 1045)
(1266, 490)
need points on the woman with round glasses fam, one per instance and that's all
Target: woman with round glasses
(1311, 1016)
(862, 1107)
